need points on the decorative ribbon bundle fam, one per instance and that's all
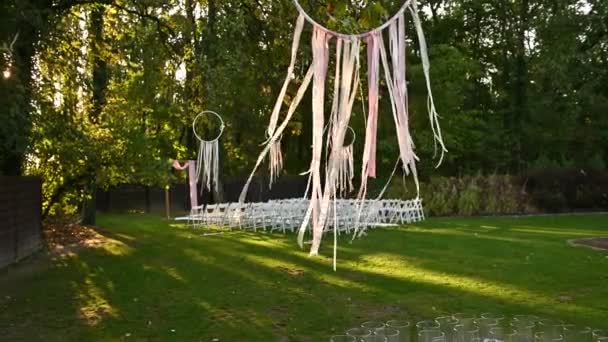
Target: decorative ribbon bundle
(338, 168)
(207, 161)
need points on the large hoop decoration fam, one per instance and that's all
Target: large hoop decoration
(200, 115)
(352, 36)
(207, 161)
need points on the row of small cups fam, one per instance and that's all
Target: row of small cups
(375, 331)
(470, 328)
(492, 327)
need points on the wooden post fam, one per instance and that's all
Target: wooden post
(147, 199)
(167, 203)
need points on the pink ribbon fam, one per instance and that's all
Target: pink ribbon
(373, 55)
(191, 165)
(320, 51)
(179, 167)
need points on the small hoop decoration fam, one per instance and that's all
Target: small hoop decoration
(354, 136)
(352, 36)
(201, 115)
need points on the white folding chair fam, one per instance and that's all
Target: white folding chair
(195, 219)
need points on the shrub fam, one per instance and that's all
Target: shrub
(536, 191)
(440, 196)
(469, 199)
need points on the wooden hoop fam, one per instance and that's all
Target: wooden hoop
(354, 136)
(352, 36)
(199, 116)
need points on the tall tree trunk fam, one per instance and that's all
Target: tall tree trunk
(210, 62)
(89, 211)
(505, 105)
(100, 66)
(100, 75)
(192, 94)
(520, 85)
(147, 199)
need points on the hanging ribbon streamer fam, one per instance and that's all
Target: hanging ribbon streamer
(276, 158)
(335, 105)
(208, 159)
(348, 85)
(398, 94)
(345, 170)
(426, 67)
(397, 89)
(279, 131)
(320, 51)
(276, 161)
(274, 117)
(368, 164)
(373, 54)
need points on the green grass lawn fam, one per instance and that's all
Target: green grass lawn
(157, 281)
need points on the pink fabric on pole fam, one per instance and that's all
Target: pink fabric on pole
(192, 183)
(191, 165)
(177, 166)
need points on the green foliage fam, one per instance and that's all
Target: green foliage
(14, 129)
(503, 196)
(73, 148)
(542, 163)
(351, 17)
(597, 162)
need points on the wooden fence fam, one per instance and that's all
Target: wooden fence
(20, 218)
(136, 198)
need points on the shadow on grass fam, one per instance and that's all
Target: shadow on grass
(159, 282)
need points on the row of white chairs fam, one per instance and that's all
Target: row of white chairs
(263, 216)
(288, 214)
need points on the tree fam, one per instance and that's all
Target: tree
(104, 92)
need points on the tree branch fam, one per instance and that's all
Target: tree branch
(165, 31)
(9, 48)
(61, 190)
